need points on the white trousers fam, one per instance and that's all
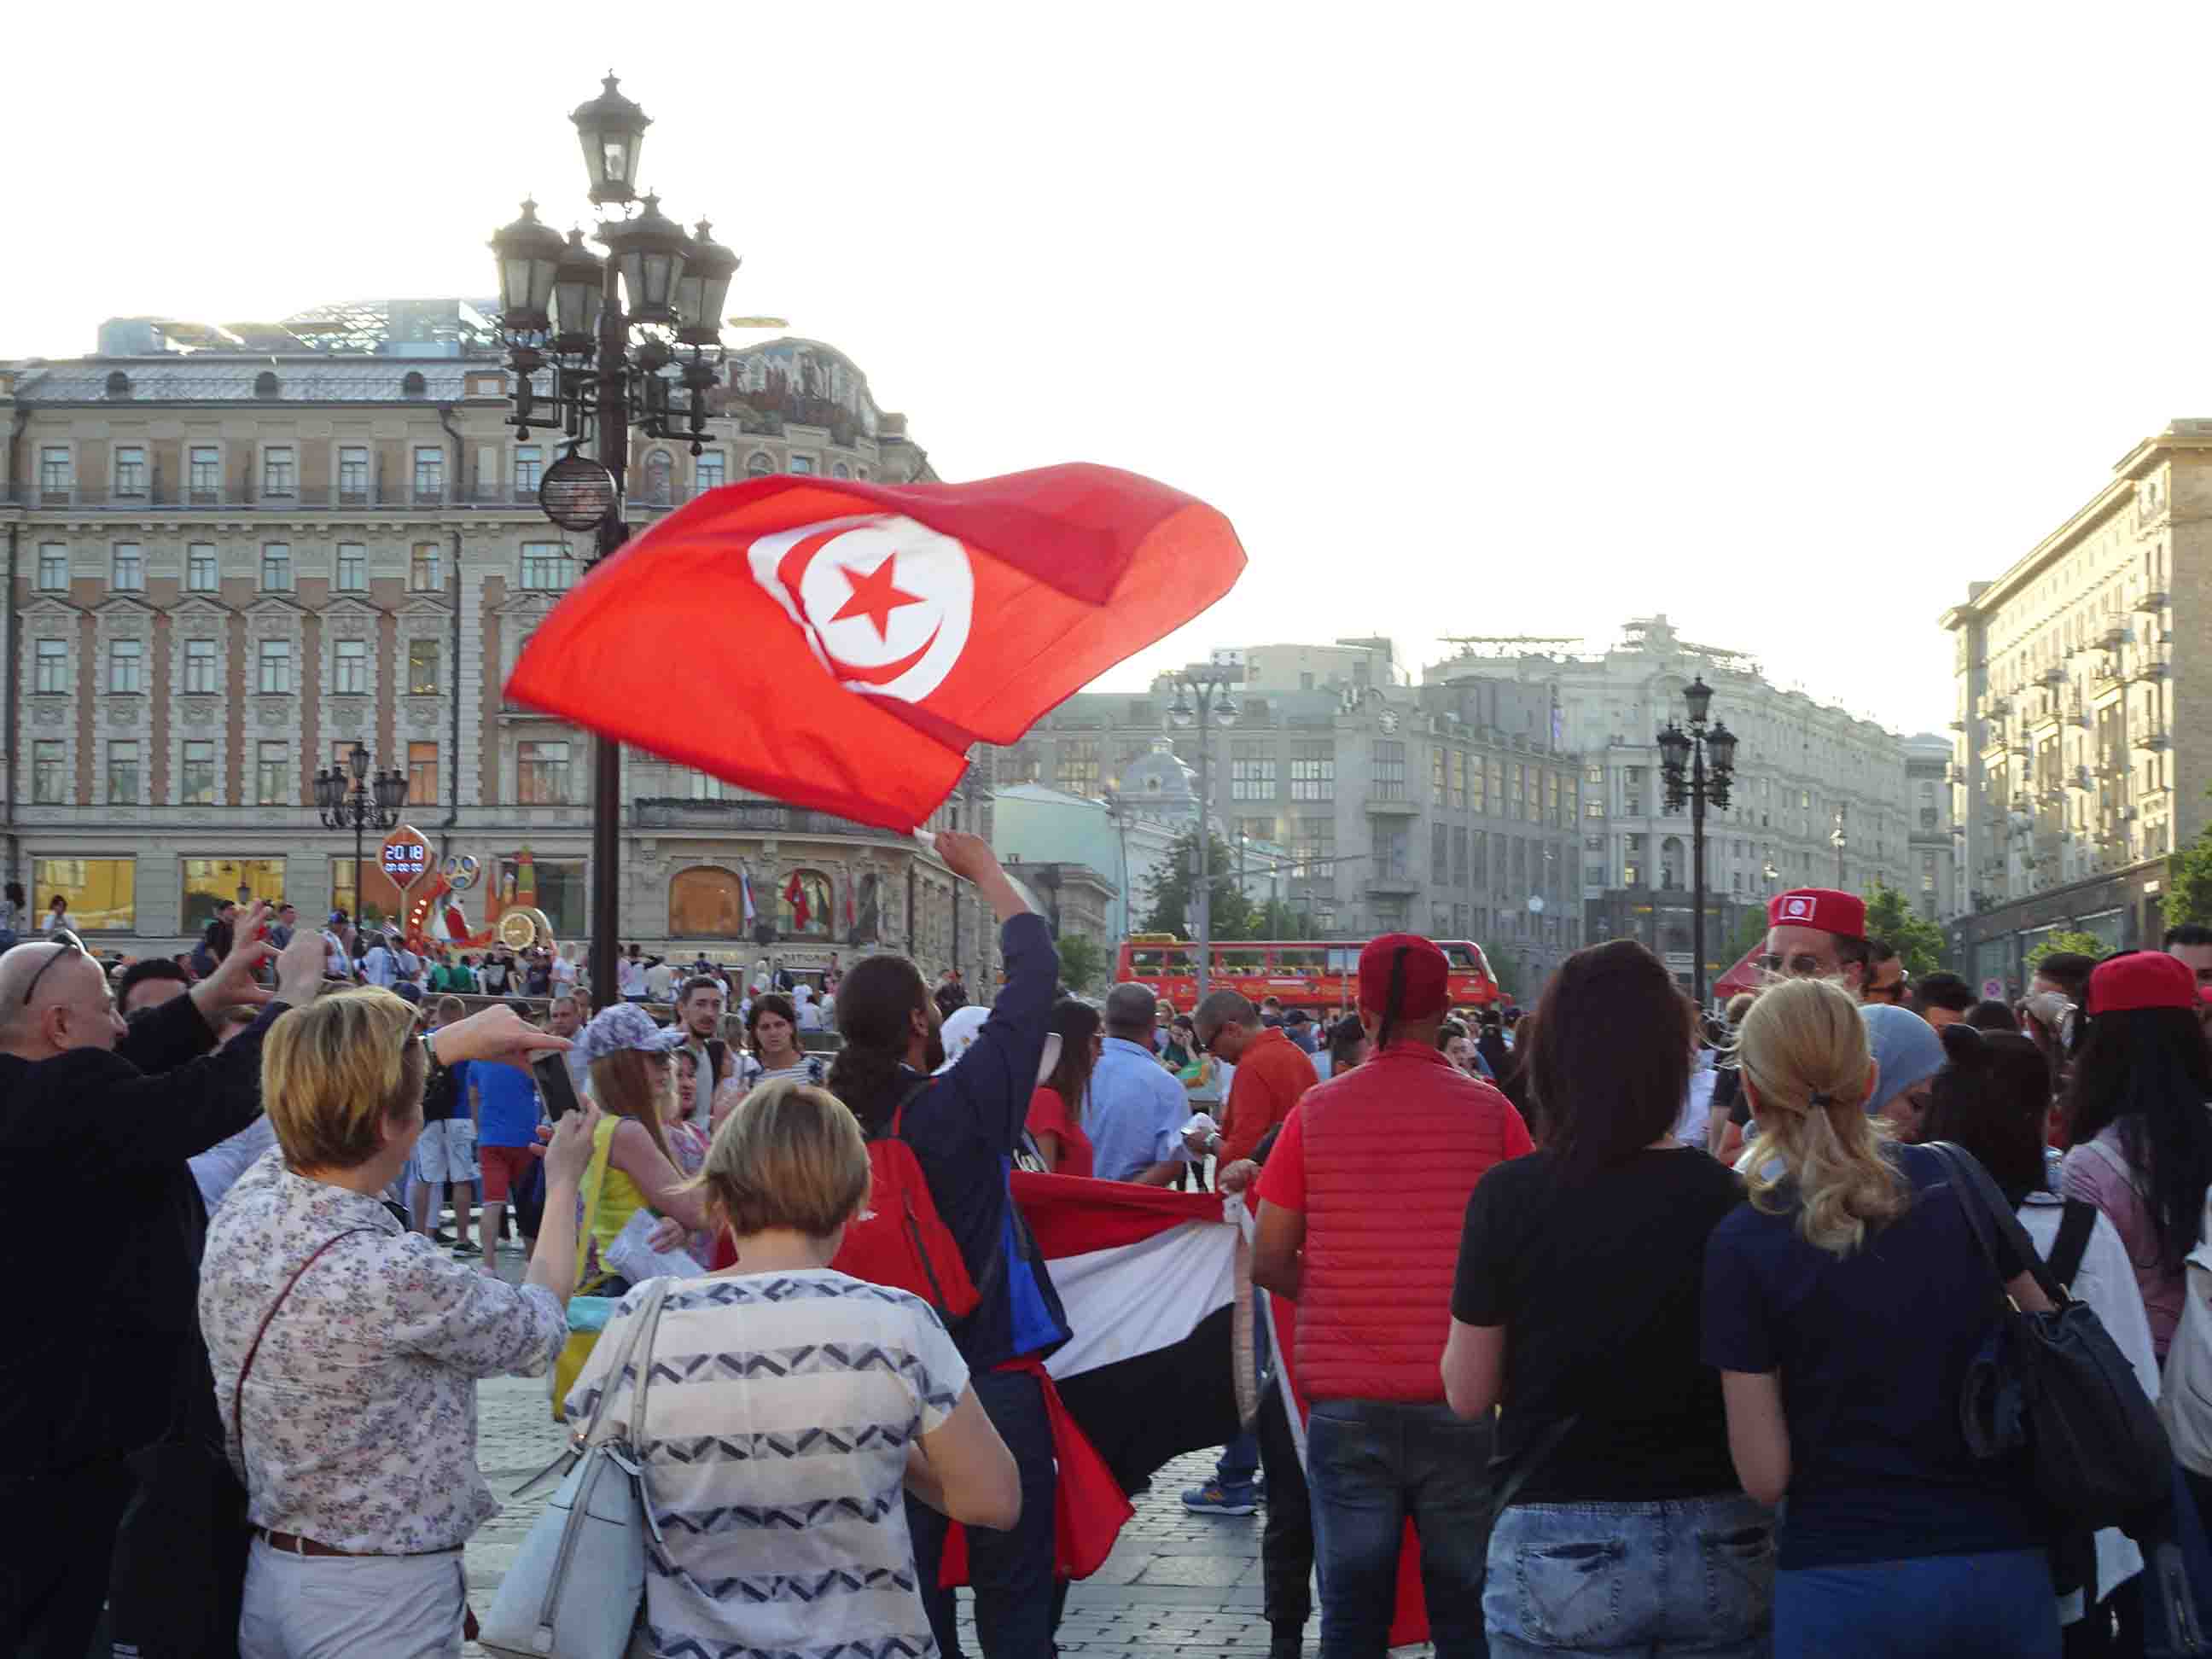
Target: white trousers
(333, 1607)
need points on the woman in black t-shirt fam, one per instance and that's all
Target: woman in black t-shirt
(1621, 1524)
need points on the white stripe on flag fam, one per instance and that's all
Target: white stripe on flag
(1293, 1407)
(1138, 1298)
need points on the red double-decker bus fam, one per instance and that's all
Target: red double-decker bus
(1319, 975)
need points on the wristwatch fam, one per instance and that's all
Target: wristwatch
(430, 1049)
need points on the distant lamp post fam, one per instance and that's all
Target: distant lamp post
(598, 346)
(348, 798)
(1699, 764)
(1838, 839)
(1203, 699)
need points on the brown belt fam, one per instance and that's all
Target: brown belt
(293, 1544)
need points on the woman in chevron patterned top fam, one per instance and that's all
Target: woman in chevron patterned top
(791, 1409)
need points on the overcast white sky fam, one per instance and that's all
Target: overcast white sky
(1787, 320)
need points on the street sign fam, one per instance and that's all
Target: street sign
(404, 857)
(1678, 960)
(1993, 989)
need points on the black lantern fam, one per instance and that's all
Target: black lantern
(1674, 748)
(580, 292)
(612, 131)
(330, 787)
(704, 289)
(390, 789)
(576, 494)
(649, 251)
(1698, 696)
(528, 252)
(358, 760)
(1721, 747)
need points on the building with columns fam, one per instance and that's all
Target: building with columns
(233, 553)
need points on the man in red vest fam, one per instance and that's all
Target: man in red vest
(1361, 1206)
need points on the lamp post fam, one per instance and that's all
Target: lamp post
(347, 797)
(605, 369)
(1684, 757)
(1838, 839)
(1203, 699)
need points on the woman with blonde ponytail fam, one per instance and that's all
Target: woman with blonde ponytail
(1842, 1306)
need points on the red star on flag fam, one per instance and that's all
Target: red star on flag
(876, 595)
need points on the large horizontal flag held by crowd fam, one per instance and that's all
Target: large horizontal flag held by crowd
(841, 645)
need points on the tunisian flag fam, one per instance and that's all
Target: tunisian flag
(841, 645)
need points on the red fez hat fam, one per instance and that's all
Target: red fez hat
(1421, 970)
(2141, 979)
(1823, 907)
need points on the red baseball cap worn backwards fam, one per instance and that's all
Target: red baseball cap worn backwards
(1823, 907)
(1424, 987)
(2141, 979)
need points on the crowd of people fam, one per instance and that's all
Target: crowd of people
(1651, 1326)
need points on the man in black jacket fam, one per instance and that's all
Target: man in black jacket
(97, 1121)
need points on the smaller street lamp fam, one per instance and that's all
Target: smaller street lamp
(1699, 765)
(611, 130)
(1840, 841)
(1202, 694)
(347, 797)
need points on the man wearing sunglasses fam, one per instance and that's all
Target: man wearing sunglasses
(97, 1119)
(1817, 933)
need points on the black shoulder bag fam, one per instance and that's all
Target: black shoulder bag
(2055, 1383)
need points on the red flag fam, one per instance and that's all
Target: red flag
(795, 897)
(841, 645)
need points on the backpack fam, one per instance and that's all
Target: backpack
(2184, 1395)
(900, 1239)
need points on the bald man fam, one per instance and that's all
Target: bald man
(97, 1119)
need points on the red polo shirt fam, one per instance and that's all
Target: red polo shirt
(1272, 1074)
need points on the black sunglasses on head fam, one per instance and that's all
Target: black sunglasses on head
(68, 942)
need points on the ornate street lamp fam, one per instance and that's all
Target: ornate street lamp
(1699, 764)
(1202, 696)
(348, 798)
(599, 347)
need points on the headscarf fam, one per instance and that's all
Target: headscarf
(1907, 1051)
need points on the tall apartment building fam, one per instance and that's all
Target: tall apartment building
(2074, 778)
(1807, 773)
(234, 554)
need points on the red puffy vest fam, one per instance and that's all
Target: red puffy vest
(1393, 1149)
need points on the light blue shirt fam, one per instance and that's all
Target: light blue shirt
(1137, 1112)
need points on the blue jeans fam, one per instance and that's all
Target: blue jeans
(1017, 1602)
(1936, 1606)
(1371, 1465)
(1240, 1458)
(1695, 1575)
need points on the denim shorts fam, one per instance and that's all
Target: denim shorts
(1693, 1574)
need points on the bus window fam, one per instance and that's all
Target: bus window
(1182, 964)
(1144, 961)
(1463, 959)
(1299, 958)
(1342, 961)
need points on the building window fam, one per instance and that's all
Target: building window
(1252, 770)
(353, 475)
(544, 567)
(275, 666)
(200, 574)
(48, 781)
(1459, 855)
(422, 569)
(203, 473)
(1389, 769)
(1393, 850)
(803, 465)
(412, 384)
(122, 772)
(130, 469)
(839, 470)
(353, 567)
(279, 473)
(1458, 796)
(52, 670)
(422, 668)
(1313, 771)
(541, 773)
(802, 903)
(129, 567)
(1079, 766)
(272, 775)
(276, 567)
(705, 786)
(56, 473)
(100, 894)
(707, 902)
(1313, 843)
(209, 882)
(1439, 853)
(54, 568)
(127, 666)
(349, 668)
(196, 783)
(422, 774)
(430, 473)
(529, 470)
(199, 666)
(1437, 773)
(758, 466)
(713, 470)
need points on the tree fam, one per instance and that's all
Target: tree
(2085, 945)
(1083, 963)
(1169, 892)
(1919, 942)
(2189, 883)
(1750, 934)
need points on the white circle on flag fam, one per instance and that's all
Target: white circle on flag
(886, 603)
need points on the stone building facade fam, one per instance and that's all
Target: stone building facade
(2074, 778)
(226, 567)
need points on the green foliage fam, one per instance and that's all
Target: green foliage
(1169, 891)
(2189, 883)
(1920, 942)
(2085, 944)
(1084, 964)
(1750, 934)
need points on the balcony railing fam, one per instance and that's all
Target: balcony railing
(767, 818)
(168, 498)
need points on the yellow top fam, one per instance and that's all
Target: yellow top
(620, 1198)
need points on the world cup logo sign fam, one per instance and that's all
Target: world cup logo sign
(885, 603)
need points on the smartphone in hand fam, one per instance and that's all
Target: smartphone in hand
(554, 1083)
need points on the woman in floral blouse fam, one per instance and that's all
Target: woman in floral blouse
(355, 1429)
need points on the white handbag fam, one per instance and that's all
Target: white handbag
(573, 1591)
